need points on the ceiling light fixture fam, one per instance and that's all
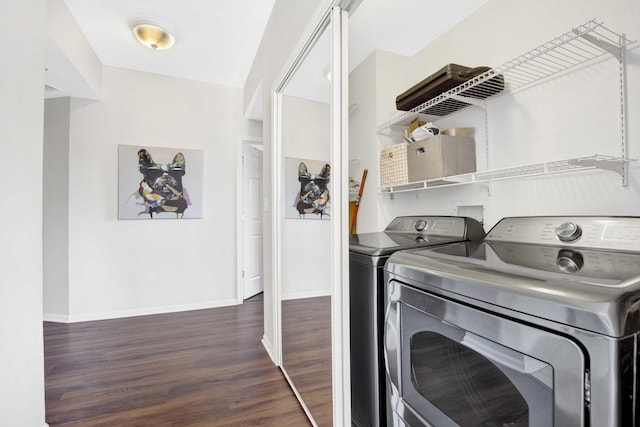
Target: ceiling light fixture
(153, 36)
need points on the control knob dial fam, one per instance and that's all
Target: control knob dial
(568, 231)
(569, 261)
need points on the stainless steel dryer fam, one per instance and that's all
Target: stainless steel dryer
(367, 254)
(538, 325)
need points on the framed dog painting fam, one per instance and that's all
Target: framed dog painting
(307, 193)
(156, 182)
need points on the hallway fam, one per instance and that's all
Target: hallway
(204, 368)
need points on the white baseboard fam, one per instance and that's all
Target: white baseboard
(267, 346)
(310, 294)
(57, 318)
(73, 318)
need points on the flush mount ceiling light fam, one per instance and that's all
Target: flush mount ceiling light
(153, 36)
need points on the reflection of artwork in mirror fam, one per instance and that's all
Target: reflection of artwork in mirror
(158, 182)
(307, 192)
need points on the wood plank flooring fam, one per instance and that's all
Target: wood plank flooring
(306, 353)
(196, 368)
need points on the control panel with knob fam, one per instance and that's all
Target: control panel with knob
(568, 231)
(598, 232)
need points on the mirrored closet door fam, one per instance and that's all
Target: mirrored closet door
(306, 231)
(309, 144)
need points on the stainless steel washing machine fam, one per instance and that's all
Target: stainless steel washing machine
(367, 254)
(538, 325)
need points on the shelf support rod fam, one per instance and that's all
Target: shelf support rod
(623, 109)
(618, 51)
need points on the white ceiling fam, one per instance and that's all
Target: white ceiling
(403, 27)
(216, 40)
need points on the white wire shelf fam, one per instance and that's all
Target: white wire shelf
(578, 46)
(614, 164)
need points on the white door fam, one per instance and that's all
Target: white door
(252, 220)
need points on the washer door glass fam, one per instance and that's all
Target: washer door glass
(494, 386)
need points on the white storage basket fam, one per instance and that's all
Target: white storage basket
(393, 165)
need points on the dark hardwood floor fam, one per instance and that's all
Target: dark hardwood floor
(196, 368)
(306, 353)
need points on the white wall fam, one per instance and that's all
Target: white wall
(567, 117)
(122, 268)
(21, 117)
(55, 223)
(371, 84)
(306, 243)
(72, 66)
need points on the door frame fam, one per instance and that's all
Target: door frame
(244, 141)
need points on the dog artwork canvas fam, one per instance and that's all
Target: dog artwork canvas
(156, 182)
(307, 194)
